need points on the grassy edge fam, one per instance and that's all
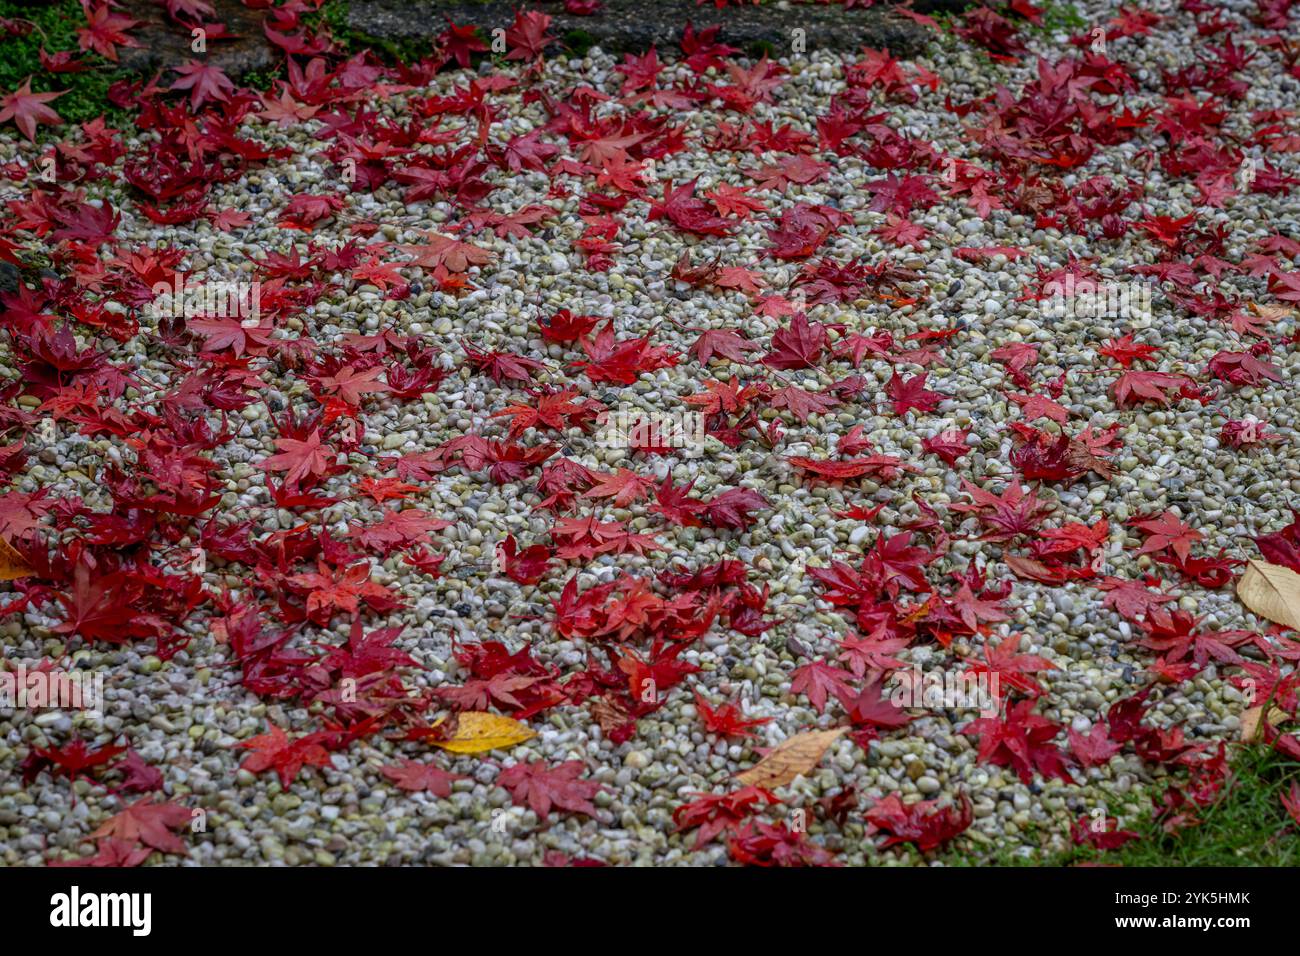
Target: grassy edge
(1246, 826)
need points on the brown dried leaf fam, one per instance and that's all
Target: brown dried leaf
(792, 758)
(12, 564)
(1271, 591)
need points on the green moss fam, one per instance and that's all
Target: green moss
(334, 14)
(1247, 826)
(579, 42)
(1062, 17)
(56, 26)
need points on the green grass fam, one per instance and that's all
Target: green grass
(1061, 17)
(1248, 826)
(335, 15)
(56, 28)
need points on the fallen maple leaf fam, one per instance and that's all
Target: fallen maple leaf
(542, 788)
(416, 776)
(27, 109)
(148, 823)
(204, 81)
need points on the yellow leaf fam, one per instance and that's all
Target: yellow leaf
(12, 564)
(477, 732)
(792, 758)
(1271, 591)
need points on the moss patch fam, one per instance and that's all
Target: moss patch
(55, 28)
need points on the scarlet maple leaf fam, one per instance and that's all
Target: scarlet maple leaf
(274, 750)
(542, 788)
(1167, 531)
(731, 509)
(416, 776)
(817, 679)
(1242, 368)
(727, 719)
(300, 458)
(27, 109)
(875, 709)
(1022, 742)
(1131, 599)
(111, 853)
(351, 385)
(687, 213)
(459, 42)
(20, 512)
(148, 823)
(452, 254)
(624, 486)
(397, 529)
(677, 505)
(104, 31)
(204, 81)
(767, 844)
(102, 609)
(721, 342)
(138, 776)
(799, 346)
(912, 393)
(872, 652)
(330, 590)
(1012, 667)
(1125, 351)
(1012, 514)
(1096, 748)
(924, 823)
(527, 35)
(949, 444)
(74, 759)
(714, 813)
(1133, 387)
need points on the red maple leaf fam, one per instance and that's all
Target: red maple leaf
(1166, 530)
(1021, 741)
(206, 83)
(799, 346)
(27, 109)
(715, 813)
(624, 486)
(274, 750)
(300, 458)
(104, 31)
(1131, 599)
(73, 759)
(818, 679)
(1096, 748)
(149, 824)
(416, 776)
(527, 35)
(912, 393)
(542, 788)
(732, 509)
(1010, 515)
(924, 823)
(1133, 388)
(727, 719)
